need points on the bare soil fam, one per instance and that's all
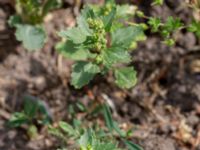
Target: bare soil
(164, 107)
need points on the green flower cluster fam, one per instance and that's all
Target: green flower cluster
(107, 9)
(98, 37)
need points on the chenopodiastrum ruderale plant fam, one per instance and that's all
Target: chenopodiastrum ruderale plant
(28, 21)
(100, 42)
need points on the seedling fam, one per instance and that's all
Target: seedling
(172, 25)
(167, 29)
(35, 113)
(28, 21)
(195, 25)
(92, 138)
(100, 42)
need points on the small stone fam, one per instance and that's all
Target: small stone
(40, 83)
(12, 134)
(166, 128)
(154, 142)
(193, 120)
(187, 40)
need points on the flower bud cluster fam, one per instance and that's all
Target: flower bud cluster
(107, 9)
(99, 34)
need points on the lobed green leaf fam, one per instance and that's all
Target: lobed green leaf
(115, 55)
(32, 37)
(125, 77)
(73, 51)
(123, 37)
(82, 73)
(83, 25)
(75, 34)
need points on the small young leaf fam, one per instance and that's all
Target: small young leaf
(133, 45)
(143, 26)
(169, 42)
(125, 77)
(140, 14)
(118, 130)
(68, 128)
(18, 119)
(172, 24)
(34, 107)
(111, 124)
(56, 132)
(108, 118)
(195, 27)
(125, 11)
(32, 131)
(32, 37)
(49, 5)
(108, 20)
(30, 107)
(165, 33)
(140, 37)
(157, 2)
(83, 72)
(154, 23)
(87, 12)
(84, 140)
(14, 21)
(81, 107)
(46, 114)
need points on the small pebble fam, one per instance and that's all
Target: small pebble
(193, 120)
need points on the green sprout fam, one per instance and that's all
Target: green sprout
(34, 113)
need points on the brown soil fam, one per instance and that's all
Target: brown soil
(164, 107)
